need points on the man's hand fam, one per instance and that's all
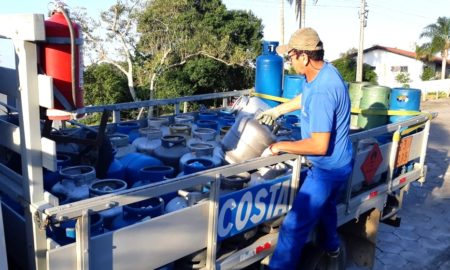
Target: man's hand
(269, 116)
(268, 152)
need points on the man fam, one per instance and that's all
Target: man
(325, 124)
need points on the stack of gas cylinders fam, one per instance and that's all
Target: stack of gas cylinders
(162, 149)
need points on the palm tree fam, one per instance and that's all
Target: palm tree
(439, 33)
(300, 9)
(300, 6)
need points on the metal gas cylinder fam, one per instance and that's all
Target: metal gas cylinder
(159, 123)
(246, 106)
(107, 186)
(138, 211)
(51, 178)
(183, 129)
(74, 184)
(133, 162)
(201, 150)
(150, 140)
(172, 148)
(203, 135)
(234, 182)
(245, 140)
(122, 145)
(184, 119)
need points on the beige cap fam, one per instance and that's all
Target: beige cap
(304, 39)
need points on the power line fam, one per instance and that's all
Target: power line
(401, 11)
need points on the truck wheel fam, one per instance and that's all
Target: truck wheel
(314, 258)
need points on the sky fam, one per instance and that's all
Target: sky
(391, 23)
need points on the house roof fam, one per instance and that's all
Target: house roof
(392, 50)
(401, 52)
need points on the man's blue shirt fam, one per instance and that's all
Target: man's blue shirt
(326, 108)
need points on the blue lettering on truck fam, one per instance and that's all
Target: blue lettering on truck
(244, 209)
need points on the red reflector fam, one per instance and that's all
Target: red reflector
(261, 248)
(403, 180)
(373, 194)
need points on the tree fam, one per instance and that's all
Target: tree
(439, 35)
(347, 67)
(300, 10)
(117, 45)
(175, 32)
(403, 78)
(427, 73)
(113, 86)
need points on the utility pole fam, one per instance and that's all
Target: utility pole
(282, 22)
(363, 12)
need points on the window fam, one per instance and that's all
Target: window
(399, 68)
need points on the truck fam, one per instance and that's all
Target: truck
(218, 229)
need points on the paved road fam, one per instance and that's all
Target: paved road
(423, 239)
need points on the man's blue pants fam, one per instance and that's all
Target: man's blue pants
(315, 204)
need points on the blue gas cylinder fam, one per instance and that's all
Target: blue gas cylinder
(133, 162)
(129, 128)
(116, 170)
(269, 72)
(292, 87)
(197, 164)
(227, 120)
(207, 115)
(51, 178)
(404, 99)
(226, 112)
(212, 124)
(103, 187)
(154, 174)
(135, 212)
(65, 233)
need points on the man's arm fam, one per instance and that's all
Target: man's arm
(291, 105)
(317, 145)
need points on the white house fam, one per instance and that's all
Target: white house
(389, 62)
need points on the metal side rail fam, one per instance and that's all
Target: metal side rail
(191, 225)
(258, 250)
(3, 258)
